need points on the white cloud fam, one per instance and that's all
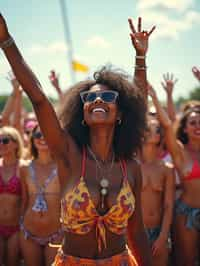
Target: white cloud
(178, 5)
(56, 47)
(98, 41)
(167, 26)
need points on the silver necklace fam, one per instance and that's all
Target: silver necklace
(104, 182)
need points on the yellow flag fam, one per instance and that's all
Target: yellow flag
(77, 66)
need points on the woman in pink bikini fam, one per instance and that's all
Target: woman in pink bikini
(40, 224)
(185, 151)
(102, 126)
(11, 148)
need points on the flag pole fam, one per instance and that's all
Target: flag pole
(68, 39)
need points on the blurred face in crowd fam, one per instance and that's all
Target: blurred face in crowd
(39, 141)
(152, 135)
(192, 128)
(8, 145)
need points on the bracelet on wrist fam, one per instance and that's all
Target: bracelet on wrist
(140, 56)
(7, 43)
(137, 67)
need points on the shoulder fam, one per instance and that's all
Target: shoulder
(24, 168)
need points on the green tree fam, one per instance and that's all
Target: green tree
(195, 94)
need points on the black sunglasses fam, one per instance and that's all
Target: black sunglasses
(106, 96)
(37, 135)
(5, 140)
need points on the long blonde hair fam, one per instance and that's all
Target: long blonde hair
(14, 134)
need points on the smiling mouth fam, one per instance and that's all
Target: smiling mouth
(96, 110)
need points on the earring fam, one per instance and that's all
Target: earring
(119, 121)
(83, 123)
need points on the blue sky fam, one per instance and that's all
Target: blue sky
(100, 35)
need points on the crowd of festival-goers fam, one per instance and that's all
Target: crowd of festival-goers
(107, 176)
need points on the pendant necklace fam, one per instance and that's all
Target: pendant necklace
(104, 182)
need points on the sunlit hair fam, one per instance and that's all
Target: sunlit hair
(180, 133)
(14, 134)
(129, 134)
(190, 104)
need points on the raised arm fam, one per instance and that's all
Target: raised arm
(170, 137)
(196, 72)
(10, 103)
(17, 114)
(45, 113)
(168, 84)
(140, 41)
(54, 79)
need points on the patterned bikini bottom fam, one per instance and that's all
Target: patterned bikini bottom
(43, 241)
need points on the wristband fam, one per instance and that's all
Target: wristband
(7, 43)
(140, 56)
(140, 67)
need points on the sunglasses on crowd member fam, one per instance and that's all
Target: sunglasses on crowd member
(37, 135)
(194, 123)
(5, 140)
(157, 130)
(106, 96)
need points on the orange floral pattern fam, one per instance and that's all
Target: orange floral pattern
(79, 215)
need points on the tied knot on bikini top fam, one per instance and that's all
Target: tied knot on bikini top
(79, 215)
(12, 186)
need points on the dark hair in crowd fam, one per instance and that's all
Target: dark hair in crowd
(181, 134)
(33, 149)
(129, 134)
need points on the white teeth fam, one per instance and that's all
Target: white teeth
(98, 110)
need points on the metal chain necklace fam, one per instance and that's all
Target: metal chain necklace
(104, 182)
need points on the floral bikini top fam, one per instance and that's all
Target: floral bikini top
(79, 215)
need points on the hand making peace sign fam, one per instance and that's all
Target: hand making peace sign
(140, 37)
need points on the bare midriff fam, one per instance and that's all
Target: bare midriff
(80, 245)
(9, 212)
(152, 202)
(43, 224)
(190, 194)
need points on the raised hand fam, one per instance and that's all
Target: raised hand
(168, 83)
(54, 79)
(196, 72)
(4, 34)
(151, 92)
(11, 77)
(140, 37)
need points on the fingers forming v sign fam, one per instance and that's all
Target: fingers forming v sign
(140, 37)
(169, 82)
